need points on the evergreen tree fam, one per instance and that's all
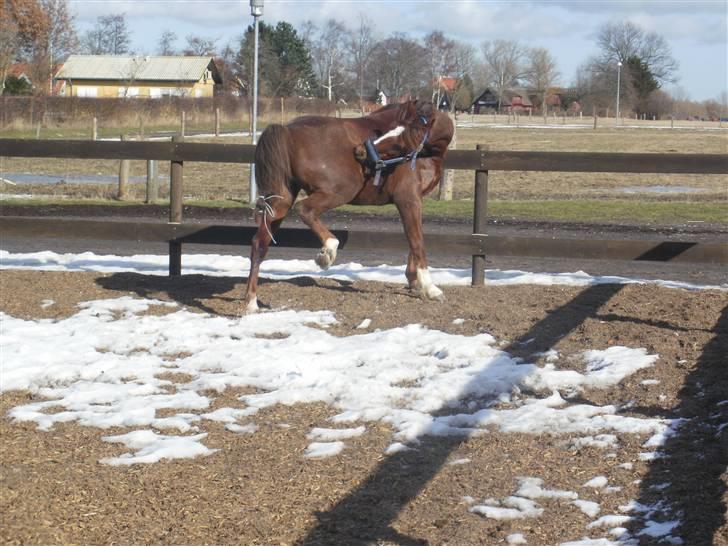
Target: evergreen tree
(284, 61)
(643, 81)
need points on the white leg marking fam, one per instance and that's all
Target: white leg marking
(252, 306)
(393, 133)
(428, 290)
(327, 255)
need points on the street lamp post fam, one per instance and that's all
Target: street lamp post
(619, 73)
(256, 10)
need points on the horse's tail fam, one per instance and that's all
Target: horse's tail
(273, 161)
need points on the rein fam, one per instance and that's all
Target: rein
(380, 164)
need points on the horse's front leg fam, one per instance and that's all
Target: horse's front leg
(409, 205)
(310, 210)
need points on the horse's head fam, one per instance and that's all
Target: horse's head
(441, 134)
(413, 122)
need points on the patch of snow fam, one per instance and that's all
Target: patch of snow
(151, 447)
(220, 265)
(364, 324)
(332, 434)
(590, 508)
(601, 441)
(612, 520)
(597, 482)
(320, 450)
(516, 539)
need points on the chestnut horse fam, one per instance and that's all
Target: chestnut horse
(316, 155)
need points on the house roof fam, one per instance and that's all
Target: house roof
(447, 83)
(19, 70)
(124, 67)
(523, 93)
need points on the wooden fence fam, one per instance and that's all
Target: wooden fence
(479, 161)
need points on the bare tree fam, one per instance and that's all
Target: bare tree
(504, 65)
(109, 36)
(399, 65)
(439, 59)
(360, 46)
(165, 45)
(620, 41)
(541, 72)
(9, 37)
(328, 55)
(198, 46)
(60, 39)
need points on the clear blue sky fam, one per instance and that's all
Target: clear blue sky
(697, 31)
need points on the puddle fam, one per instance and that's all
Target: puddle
(28, 178)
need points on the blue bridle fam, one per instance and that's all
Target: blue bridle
(380, 164)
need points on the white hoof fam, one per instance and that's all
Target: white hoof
(327, 254)
(252, 306)
(428, 290)
(433, 293)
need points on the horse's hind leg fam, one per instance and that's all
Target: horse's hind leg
(269, 215)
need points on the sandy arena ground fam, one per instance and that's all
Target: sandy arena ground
(258, 488)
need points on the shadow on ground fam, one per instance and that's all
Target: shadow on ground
(690, 479)
(367, 513)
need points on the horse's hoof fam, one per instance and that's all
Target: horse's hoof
(433, 293)
(251, 307)
(323, 259)
(327, 254)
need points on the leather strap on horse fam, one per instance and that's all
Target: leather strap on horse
(379, 164)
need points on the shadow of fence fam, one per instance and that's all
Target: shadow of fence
(367, 513)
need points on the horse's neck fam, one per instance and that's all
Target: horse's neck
(383, 119)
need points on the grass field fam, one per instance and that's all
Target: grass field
(567, 196)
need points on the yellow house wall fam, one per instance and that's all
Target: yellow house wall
(108, 89)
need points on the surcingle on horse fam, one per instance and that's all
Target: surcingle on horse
(313, 154)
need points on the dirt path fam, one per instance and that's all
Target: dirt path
(259, 489)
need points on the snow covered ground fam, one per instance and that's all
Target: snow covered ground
(101, 368)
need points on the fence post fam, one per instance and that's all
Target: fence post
(175, 211)
(217, 122)
(448, 178)
(123, 192)
(95, 129)
(152, 181)
(480, 210)
(183, 115)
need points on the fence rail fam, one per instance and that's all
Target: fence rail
(480, 161)
(456, 159)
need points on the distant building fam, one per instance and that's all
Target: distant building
(443, 91)
(107, 76)
(512, 100)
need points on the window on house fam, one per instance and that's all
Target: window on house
(86, 91)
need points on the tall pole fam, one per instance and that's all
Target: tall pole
(256, 10)
(619, 73)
